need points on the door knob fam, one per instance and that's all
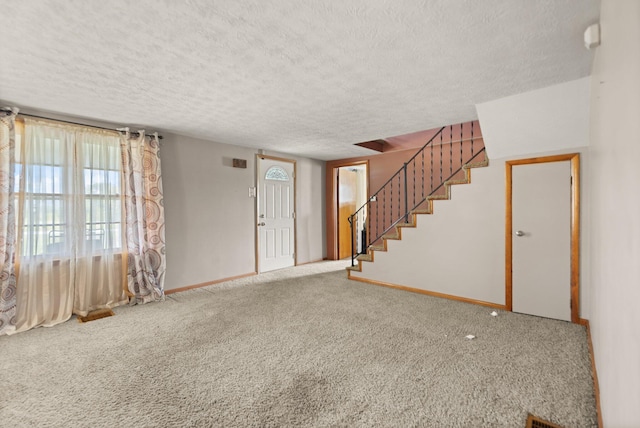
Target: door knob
(519, 233)
(261, 224)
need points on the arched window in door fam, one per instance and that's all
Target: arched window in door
(276, 173)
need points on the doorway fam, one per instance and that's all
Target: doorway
(542, 236)
(352, 193)
(275, 212)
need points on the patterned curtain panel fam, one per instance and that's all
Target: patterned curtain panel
(7, 224)
(144, 217)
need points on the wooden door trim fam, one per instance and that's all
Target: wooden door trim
(332, 202)
(337, 198)
(574, 158)
(295, 207)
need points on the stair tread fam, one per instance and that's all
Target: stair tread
(453, 182)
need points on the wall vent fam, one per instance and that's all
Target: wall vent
(535, 422)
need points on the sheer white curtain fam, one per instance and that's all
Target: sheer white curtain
(70, 222)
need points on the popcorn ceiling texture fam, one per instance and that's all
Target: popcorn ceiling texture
(309, 78)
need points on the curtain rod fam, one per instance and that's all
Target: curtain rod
(7, 112)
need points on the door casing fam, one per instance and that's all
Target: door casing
(346, 179)
(332, 203)
(574, 159)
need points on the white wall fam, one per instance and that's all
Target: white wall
(615, 212)
(551, 118)
(210, 218)
(460, 249)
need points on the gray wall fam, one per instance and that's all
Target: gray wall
(210, 219)
(615, 212)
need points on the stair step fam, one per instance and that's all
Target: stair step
(355, 268)
(478, 164)
(438, 197)
(364, 258)
(455, 182)
(405, 225)
(377, 248)
(391, 236)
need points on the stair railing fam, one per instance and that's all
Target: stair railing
(421, 177)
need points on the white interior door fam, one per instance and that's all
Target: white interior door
(276, 214)
(541, 223)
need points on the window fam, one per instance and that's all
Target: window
(68, 190)
(102, 173)
(276, 173)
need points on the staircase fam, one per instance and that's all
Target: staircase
(444, 161)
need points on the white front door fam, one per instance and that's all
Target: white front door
(541, 239)
(276, 213)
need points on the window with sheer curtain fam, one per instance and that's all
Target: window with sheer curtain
(65, 183)
(70, 216)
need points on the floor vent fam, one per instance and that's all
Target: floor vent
(96, 315)
(535, 422)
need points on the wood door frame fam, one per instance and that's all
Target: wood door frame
(295, 207)
(574, 159)
(332, 205)
(339, 236)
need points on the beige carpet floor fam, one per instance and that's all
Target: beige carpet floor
(298, 347)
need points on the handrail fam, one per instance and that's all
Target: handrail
(373, 197)
(365, 219)
(412, 158)
(433, 192)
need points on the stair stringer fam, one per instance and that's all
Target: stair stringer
(411, 255)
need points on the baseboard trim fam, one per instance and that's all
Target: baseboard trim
(594, 373)
(427, 292)
(204, 284)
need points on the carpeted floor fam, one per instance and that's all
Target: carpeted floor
(298, 347)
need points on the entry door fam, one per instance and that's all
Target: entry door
(276, 214)
(541, 239)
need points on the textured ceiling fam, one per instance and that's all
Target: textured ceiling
(308, 77)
